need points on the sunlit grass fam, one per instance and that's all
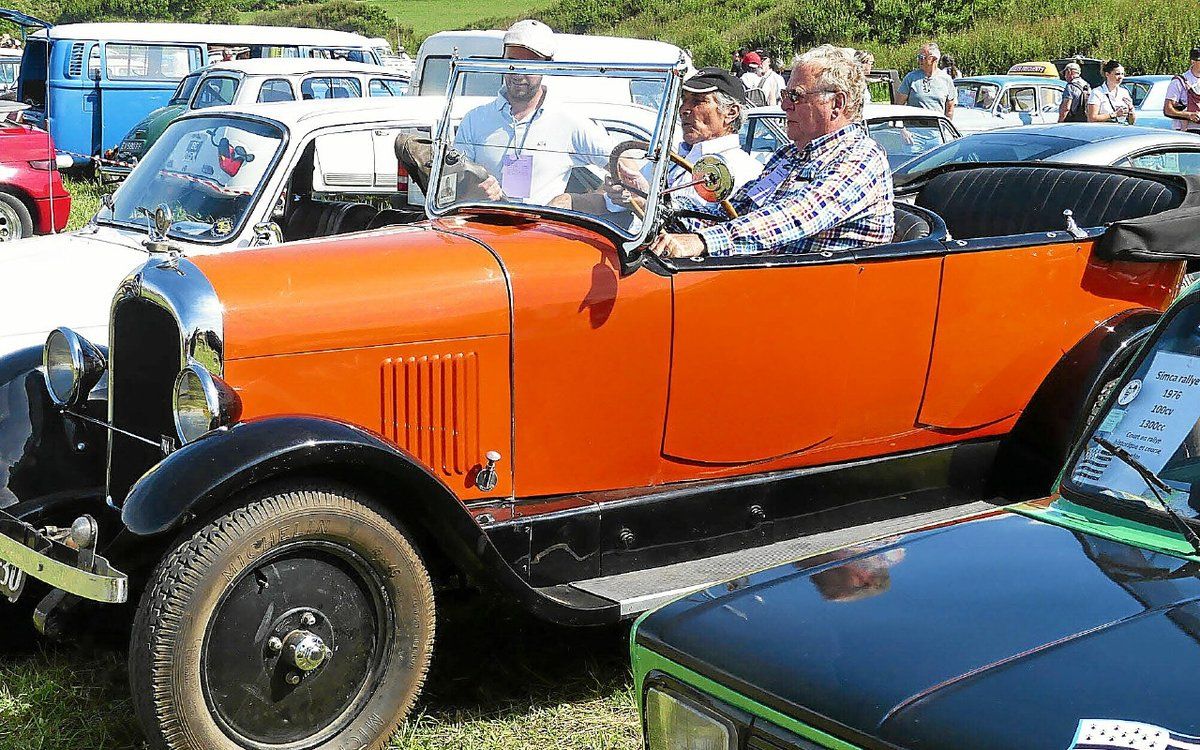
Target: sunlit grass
(500, 681)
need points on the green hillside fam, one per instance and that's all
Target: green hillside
(425, 17)
(983, 35)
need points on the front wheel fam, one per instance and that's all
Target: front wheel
(304, 618)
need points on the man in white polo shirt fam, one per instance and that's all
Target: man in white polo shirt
(525, 140)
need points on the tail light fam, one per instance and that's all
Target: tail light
(45, 165)
(402, 181)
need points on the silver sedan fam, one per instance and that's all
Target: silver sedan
(1098, 143)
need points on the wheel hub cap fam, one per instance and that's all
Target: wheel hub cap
(306, 651)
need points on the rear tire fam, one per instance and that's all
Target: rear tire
(15, 221)
(301, 560)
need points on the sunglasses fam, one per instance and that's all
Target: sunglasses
(794, 95)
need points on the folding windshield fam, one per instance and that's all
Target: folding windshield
(1154, 414)
(538, 146)
(207, 170)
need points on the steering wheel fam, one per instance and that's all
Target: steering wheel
(703, 178)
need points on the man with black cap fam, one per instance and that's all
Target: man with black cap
(1183, 96)
(527, 142)
(711, 114)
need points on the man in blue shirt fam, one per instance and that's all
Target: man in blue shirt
(526, 141)
(928, 86)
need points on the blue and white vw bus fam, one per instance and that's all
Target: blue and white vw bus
(89, 83)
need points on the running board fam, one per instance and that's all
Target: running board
(643, 590)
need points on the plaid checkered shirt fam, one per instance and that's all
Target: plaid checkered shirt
(833, 194)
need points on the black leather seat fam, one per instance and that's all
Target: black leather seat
(1004, 200)
(909, 225)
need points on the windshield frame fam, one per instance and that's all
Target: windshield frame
(1109, 504)
(255, 197)
(660, 142)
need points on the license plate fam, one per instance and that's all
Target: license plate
(127, 146)
(12, 581)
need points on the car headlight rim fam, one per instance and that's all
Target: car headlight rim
(201, 402)
(66, 352)
(662, 700)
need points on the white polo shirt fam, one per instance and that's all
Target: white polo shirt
(532, 158)
(742, 165)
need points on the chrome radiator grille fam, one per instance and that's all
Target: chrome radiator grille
(144, 358)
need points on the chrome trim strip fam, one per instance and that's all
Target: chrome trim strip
(110, 586)
(178, 286)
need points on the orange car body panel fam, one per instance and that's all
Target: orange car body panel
(463, 336)
(403, 332)
(991, 354)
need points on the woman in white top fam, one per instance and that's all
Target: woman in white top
(1109, 102)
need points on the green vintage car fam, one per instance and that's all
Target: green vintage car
(1071, 622)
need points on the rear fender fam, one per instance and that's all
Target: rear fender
(1035, 450)
(201, 478)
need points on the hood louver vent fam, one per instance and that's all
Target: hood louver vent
(430, 407)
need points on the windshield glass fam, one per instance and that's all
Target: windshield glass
(215, 91)
(903, 138)
(1155, 415)
(1138, 91)
(975, 95)
(1012, 145)
(207, 170)
(535, 145)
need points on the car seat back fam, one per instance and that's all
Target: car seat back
(991, 201)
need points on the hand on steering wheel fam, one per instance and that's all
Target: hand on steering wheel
(616, 176)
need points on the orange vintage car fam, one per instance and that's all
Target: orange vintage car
(285, 452)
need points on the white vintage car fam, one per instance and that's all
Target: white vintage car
(232, 178)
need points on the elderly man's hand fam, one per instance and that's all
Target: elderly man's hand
(668, 245)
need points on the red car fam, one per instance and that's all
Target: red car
(32, 197)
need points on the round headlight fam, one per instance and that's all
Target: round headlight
(202, 403)
(73, 365)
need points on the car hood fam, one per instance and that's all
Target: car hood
(61, 280)
(997, 632)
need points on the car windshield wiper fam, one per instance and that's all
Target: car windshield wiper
(1155, 484)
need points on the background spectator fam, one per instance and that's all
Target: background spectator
(949, 67)
(867, 61)
(927, 86)
(1073, 106)
(1183, 97)
(1109, 102)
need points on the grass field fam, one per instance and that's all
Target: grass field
(500, 681)
(429, 16)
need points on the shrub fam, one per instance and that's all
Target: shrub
(340, 15)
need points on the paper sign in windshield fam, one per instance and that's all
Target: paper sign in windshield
(1149, 420)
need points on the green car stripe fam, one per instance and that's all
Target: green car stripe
(646, 661)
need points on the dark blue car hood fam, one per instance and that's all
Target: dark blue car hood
(1000, 632)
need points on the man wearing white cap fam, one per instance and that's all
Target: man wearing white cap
(526, 141)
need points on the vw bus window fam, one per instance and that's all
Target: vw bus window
(151, 62)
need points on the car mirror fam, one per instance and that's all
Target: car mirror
(267, 233)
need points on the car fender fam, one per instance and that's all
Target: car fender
(47, 459)
(1034, 451)
(201, 479)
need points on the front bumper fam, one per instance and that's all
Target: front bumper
(76, 571)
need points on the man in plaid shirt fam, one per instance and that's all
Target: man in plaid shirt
(830, 190)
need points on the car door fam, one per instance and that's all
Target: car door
(1018, 105)
(776, 356)
(1049, 98)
